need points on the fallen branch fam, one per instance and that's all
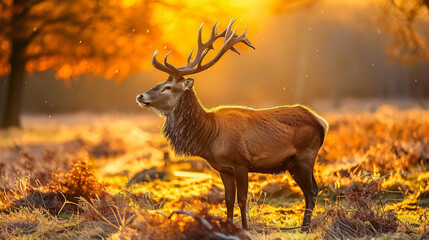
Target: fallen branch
(206, 224)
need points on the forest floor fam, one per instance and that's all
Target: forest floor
(86, 176)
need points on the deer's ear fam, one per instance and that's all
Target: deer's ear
(187, 84)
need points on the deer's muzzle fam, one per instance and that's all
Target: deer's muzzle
(140, 99)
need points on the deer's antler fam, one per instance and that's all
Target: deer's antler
(196, 65)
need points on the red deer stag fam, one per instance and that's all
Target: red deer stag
(236, 140)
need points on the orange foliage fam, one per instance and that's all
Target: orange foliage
(113, 38)
(80, 181)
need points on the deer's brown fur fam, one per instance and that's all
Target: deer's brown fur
(190, 129)
(193, 131)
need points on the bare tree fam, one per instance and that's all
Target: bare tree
(399, 18)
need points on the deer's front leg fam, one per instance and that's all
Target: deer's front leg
(242, 179)
(230, 189)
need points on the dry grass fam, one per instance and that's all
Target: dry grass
(87, 198)
(359, 215)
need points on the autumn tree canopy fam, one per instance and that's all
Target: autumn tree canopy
(73, 37)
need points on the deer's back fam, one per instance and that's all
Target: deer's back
(277, 118)
(266, 136)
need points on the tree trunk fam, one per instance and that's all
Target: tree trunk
(14, 86)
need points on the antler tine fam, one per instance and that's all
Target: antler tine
(235, 50)
(214, 30)
(227, 45)
(202, 56)
(228, 39)
(245, 40)
(173, 68)
(228, 30)
(190, 56)
(200, 40)
(159, 66)
(213, 37)
(242, 39)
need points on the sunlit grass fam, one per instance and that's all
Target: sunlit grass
(357, 145)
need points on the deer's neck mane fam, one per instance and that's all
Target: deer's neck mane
(189, 128)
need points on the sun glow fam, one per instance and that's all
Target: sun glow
(180, 24)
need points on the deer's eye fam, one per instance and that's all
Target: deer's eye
(166, 88)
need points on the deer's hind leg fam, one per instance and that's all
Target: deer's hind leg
(302, 172)
(242, 180)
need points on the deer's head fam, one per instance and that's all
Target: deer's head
(164, 97)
